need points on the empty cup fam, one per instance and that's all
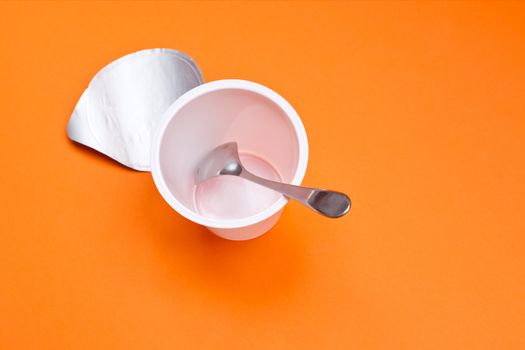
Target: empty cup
(272, 144)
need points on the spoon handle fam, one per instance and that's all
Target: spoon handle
(328, 203)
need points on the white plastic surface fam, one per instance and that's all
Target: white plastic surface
(261, 122)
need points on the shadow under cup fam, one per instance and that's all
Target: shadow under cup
(272, 144)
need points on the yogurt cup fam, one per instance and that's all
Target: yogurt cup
(272, 143)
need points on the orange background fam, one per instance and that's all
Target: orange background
(417, 110)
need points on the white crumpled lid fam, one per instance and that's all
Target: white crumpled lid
(117, 113)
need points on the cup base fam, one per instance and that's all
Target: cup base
(247, 232)
(231, 197)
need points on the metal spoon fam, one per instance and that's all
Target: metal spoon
(224, 160)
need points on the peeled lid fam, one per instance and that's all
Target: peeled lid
(118, 112)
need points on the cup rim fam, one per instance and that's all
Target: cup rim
(202, 89)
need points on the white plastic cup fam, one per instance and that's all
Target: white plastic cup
(272, 141)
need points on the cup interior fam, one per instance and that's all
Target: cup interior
(268, 144)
